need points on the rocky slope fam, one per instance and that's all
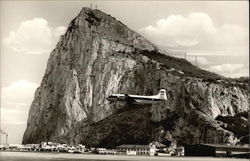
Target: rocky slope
(98, 56)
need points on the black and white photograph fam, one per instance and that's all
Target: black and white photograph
(117, 80)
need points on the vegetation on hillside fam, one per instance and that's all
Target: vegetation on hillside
(189, 69)
(242, 80)
(237, 124)
(180, 64)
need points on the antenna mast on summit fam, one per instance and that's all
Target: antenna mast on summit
(91, 5)
(96, 7)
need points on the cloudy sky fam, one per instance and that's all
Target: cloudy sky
(215, 32)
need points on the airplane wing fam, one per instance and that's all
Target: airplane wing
(129, 99)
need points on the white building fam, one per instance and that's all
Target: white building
(137, 149)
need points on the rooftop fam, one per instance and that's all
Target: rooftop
(225, 146)
(134, 146)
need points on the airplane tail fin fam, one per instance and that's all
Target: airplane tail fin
(162, 94)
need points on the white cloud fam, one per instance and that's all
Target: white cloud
(59, 31)
(34, 37)
(16, 100)
(13, 116)
(245, 73)
(230, 70)
(18, 92)
(197, 30)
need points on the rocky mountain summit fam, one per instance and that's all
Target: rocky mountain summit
(98, 56)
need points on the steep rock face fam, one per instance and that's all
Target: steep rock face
(99, 56)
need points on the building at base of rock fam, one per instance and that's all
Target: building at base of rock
(137, 149)
(217, 150)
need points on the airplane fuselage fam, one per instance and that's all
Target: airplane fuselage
(138, 99)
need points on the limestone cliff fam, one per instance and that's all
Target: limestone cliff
(98, 56)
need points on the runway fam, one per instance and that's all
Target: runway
(44, 156)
